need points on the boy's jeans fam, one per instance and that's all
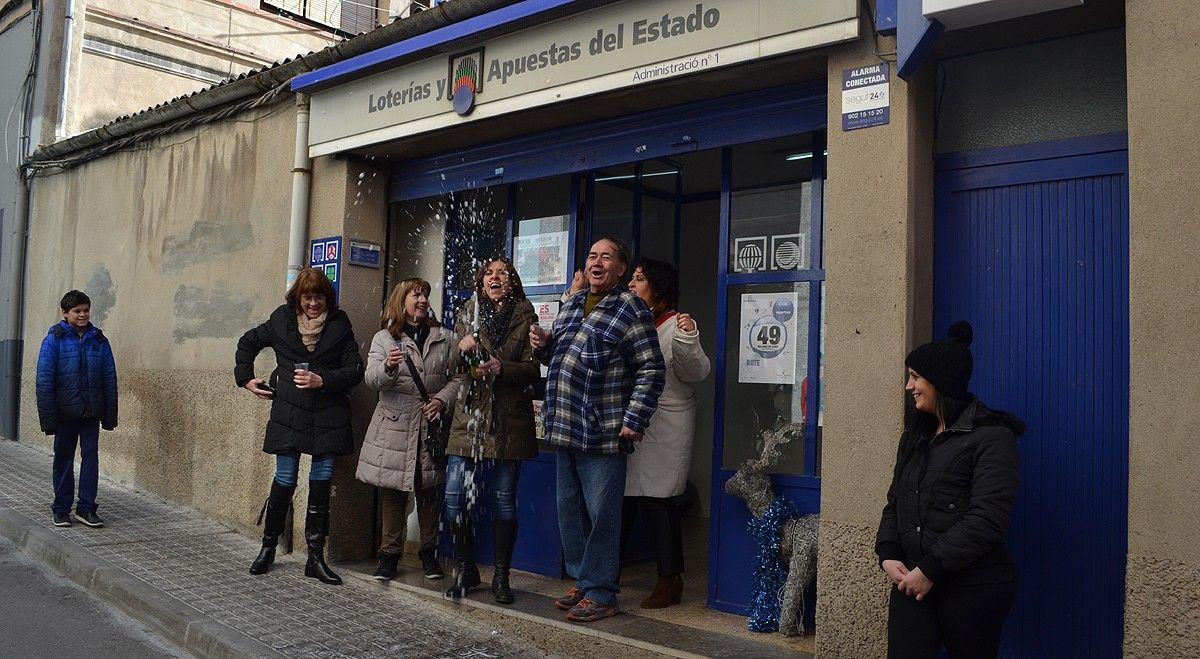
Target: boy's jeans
(85, 432)
(591, 490)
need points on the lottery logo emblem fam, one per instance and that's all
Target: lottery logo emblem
(751, 254)
(783, 310)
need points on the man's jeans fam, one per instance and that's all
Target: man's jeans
(502, 482)
(85, 433)
(591, 489)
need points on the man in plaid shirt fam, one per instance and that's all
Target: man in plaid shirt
(606, 372)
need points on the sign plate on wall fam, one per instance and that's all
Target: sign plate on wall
(624, 44)
(865, 96)
(326, 254)
(365, 252)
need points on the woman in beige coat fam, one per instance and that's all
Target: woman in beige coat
(656, 471)
(394, 455)
(493, 420)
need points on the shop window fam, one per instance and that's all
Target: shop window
(613, 204)
(774, 302)
(541, 246)
(770, 223)
(662, 189)
(766, 375)
(478, 225)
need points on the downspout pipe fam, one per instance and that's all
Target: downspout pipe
(60, 131)
(301, 185)
(13, 348)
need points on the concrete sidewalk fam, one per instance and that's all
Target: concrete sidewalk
(186, 577)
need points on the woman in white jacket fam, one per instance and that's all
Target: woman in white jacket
(395, 455)
(656, 471)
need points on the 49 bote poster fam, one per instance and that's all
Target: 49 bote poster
(767, 338)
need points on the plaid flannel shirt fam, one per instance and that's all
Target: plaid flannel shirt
(606, 370)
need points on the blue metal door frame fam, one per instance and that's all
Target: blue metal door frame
(1031, 246)
(717, 123)
(728, 585)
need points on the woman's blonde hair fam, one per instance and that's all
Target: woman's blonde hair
(393, 319)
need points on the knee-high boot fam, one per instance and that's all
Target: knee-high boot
(466, 574)
(504, 532)
(666, 522)
(273, 516)
(316, 528)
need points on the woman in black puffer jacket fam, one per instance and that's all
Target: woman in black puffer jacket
(317, 364)
(941, 538)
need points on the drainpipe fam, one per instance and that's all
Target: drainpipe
(60, 131)
(13, 347)
(301, 182)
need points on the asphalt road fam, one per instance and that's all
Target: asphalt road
(44, 615)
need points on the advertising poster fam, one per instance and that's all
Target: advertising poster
(541, 258)
(547, 311)
(767, 338)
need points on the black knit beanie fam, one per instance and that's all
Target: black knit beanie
(946, 363)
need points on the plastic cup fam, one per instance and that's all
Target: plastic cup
(301, 366)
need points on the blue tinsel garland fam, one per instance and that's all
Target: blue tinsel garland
(770, 568)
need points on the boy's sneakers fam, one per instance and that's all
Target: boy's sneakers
(588, 611)
(91, 519)
(569, 599)
(62, 520)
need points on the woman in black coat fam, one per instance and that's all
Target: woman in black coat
(941, 538)
(317, 364)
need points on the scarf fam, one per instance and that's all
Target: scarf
(494, 320)
(418, 333)
(310, 330)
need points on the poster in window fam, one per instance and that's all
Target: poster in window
(541, 258)
(767, 338)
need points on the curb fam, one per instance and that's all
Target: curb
(517, 613)
(166, 616)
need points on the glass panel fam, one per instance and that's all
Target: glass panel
(541, 241)
(612, 205)
(766, 338)
(480, 223)
(660, 203)
(770, 227)
(419, 234)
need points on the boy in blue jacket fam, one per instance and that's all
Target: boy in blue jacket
(76, 396)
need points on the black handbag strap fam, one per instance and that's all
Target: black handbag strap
(412, 369)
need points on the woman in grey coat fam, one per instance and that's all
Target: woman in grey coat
(395, 456)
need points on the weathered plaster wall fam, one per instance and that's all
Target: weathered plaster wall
(878, 252)
(1162, 578)
(349, 200)
(182, 246)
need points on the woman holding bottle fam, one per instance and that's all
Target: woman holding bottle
(493, 420)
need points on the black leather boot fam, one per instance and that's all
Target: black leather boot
(316, 528)
(273, 515)
(504, 532)
(466, 574)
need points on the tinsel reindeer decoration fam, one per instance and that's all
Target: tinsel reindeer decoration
(786, 558)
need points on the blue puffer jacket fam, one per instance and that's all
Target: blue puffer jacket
(76, 377)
